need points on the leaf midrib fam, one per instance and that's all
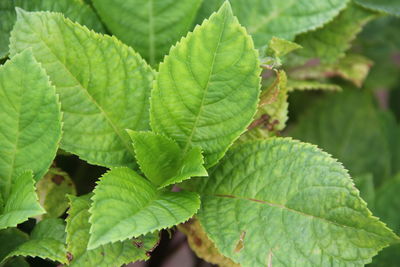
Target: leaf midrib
(157, 195)
(281, 206)
(7, 187)
(190, 137)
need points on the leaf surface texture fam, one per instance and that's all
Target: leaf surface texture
(73, 9)
(126, 205)
(103, 85)
(284, 203)
(149, 26)
(207, 87)
(115, 254)
(163, 161)
(284, 19)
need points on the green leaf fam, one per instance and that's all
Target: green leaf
(47, 241)
(337, 125)
(281, 47)
(126, 205)
(10, 239)
(271, 58)
(296, 201)
(103, 85)
(149, 26)
(207, 87)
(163, 161)
(304, 85)
(73, 9)
(284, 19)
(332, 41)
(21, 203)
(31, 122)
(388, 6)
(352, 67)
(115, 254)
(53, 190)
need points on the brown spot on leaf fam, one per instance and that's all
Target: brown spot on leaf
(240, 243)
(138, 244)
(57, 179)
(197, 241)
(102, 253)
(70, 257)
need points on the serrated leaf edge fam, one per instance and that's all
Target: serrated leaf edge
(205, 22)
(96, 36)
(152, 230)
(169, 181)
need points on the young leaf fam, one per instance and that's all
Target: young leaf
(149, 26)
(47, 241)
(115, 254)
(388, 6)
(337, 125)
(207, 87)
(284, 19)
(126, 205)
(279, 202)
(271, 58)
(21, 202)
(52, 191)
(281, 47)
(332, 41)
(73, 9)
(163, 161)
(103, 85)
(31, 121)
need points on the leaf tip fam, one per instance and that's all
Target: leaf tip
(20, 12)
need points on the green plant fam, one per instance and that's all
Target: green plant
(191, 134)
